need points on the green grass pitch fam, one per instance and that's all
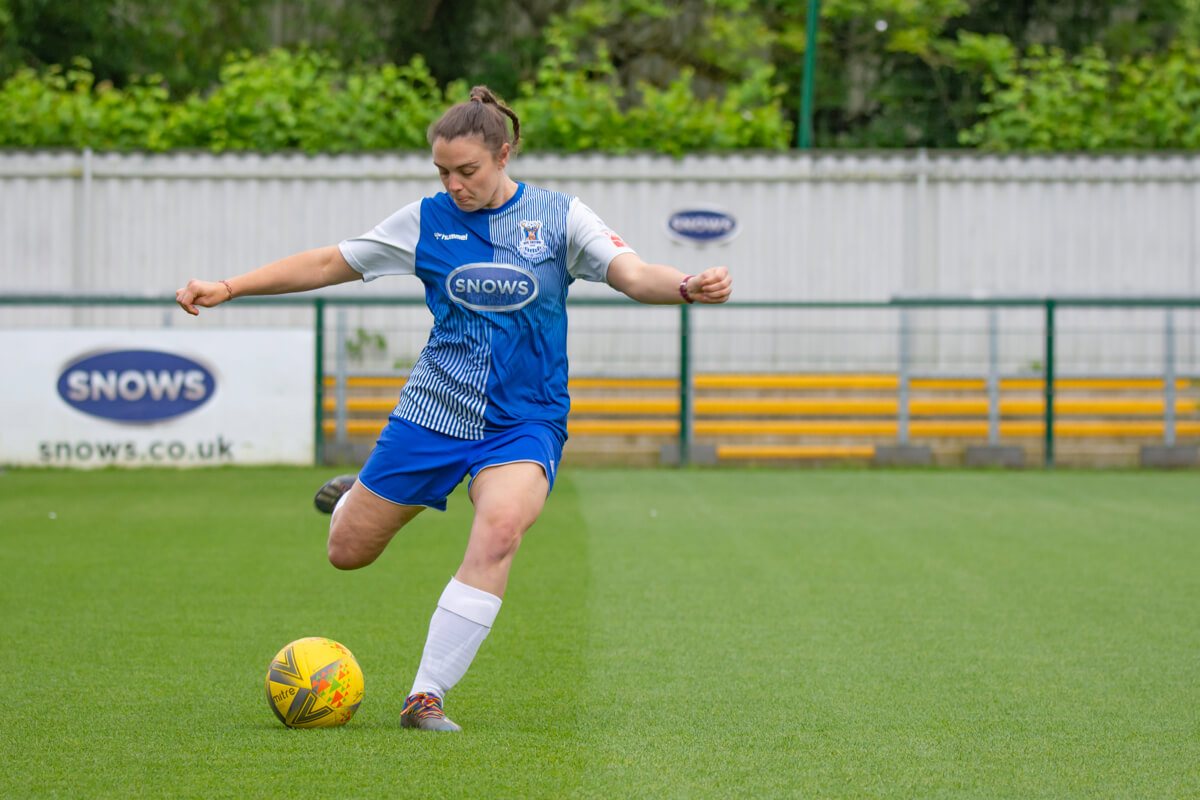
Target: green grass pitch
(666, 634)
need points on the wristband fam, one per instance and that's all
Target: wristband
(683, 290)
(228, 288)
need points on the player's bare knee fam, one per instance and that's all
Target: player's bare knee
(340, 556)
(503, 538)
(346, 556)
(345, 551)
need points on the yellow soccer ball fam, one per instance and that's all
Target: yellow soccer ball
(314, 683)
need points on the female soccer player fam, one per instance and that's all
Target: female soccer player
(488, 396)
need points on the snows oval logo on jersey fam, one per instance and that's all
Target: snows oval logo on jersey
(136, 386)
(492, 287)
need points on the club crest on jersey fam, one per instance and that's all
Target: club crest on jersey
(532, 247)
(492, 287)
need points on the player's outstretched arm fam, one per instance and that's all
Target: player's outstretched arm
(311, 269)
(660, 285)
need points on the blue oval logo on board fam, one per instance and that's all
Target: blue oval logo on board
(136, 385)
(492, 287)
(703, 226)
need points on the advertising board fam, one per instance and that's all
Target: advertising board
(153, 397)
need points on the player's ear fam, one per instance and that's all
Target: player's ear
(503, 154)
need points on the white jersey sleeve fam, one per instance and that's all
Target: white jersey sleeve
(390, 248)
(591, 245)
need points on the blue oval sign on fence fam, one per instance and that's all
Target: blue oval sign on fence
(491, 287)
(135, 385)
(703, 226)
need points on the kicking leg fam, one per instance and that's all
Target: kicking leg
(332, 490)
(362, 525)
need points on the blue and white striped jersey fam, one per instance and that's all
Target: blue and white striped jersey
(496, 281)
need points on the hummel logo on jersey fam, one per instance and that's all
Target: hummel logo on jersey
(458, 237)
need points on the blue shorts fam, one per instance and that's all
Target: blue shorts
(415, 466)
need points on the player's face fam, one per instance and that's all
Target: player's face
(472, 175)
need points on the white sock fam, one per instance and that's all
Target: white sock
(461, 622)
(340, 501)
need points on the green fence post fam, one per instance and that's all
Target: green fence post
(1169, 378)
(685, 388)
(809, 78)
(903, 382)
(319, 388)
(993, 376)
(1049, 388)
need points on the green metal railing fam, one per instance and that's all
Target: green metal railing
(687, 322)
(1050, 305)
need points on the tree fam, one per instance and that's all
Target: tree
(1047, 100)
(890, 73)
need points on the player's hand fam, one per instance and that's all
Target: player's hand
(205, 294)
(711, 286)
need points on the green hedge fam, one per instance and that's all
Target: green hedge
(305, 101)
(283, 100)
(1048, 100)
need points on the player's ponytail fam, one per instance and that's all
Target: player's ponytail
(483, 115)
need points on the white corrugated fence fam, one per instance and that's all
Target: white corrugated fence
(812, 226)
